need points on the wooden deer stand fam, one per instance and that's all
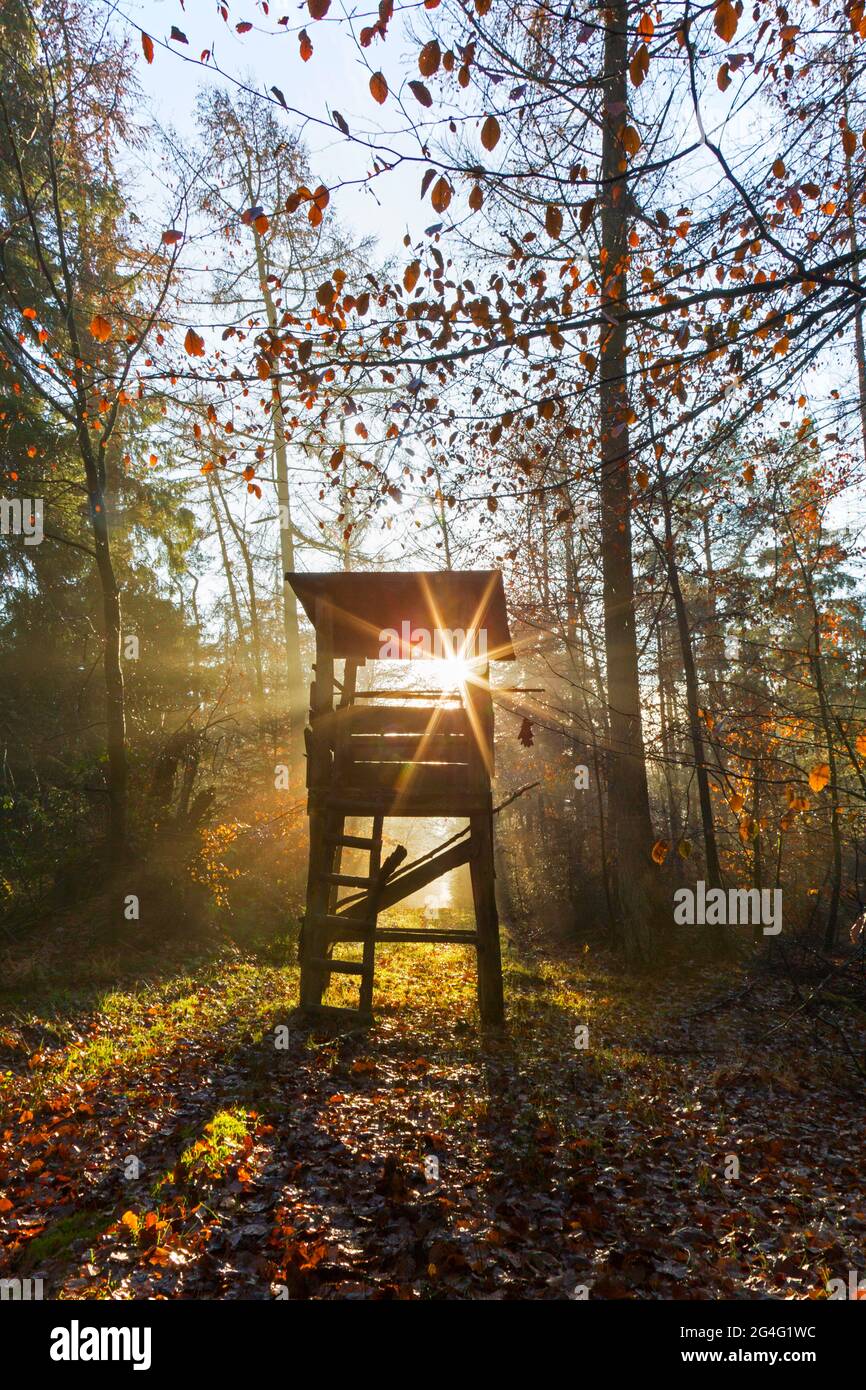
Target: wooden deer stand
(398, 752)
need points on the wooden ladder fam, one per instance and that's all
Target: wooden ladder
(324, 927)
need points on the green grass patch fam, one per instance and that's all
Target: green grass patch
(55, 1242)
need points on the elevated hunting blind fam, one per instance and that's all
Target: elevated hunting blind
(379, 753)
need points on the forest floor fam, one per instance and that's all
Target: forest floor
(157, 1142)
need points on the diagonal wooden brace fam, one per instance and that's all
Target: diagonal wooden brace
(411, 880)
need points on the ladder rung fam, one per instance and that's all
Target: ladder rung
(347, 880)
(422, 934)
(340, 967)
(355, 841)
(341, 922)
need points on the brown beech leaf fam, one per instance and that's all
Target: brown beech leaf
(639, 65)
(725, 22)
(553, 220)
(441, 195)
(193, 343)
(378, 88)
(631, 139)
(420, 93)
(429, 58)
(490, 133)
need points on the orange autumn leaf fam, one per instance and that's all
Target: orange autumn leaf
(193, 343)
(725, 22)
(441, 195)
(306, 46)
(631, 139)
(100, 328)
(378, 88)
(861, 744)
(660, 851)
(147, 47)
(819, 777)
(639, 65)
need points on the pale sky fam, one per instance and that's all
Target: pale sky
(334, 77)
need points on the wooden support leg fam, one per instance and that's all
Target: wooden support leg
(369, 956)
(491, 1002)
(313, 938)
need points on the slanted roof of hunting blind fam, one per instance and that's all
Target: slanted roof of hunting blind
(362, 605)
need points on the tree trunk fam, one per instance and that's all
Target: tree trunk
(252, 597)
(115, 703)
(714, 875)
(297, 694)
(627, 781)
(230, 579)
(859, 345)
